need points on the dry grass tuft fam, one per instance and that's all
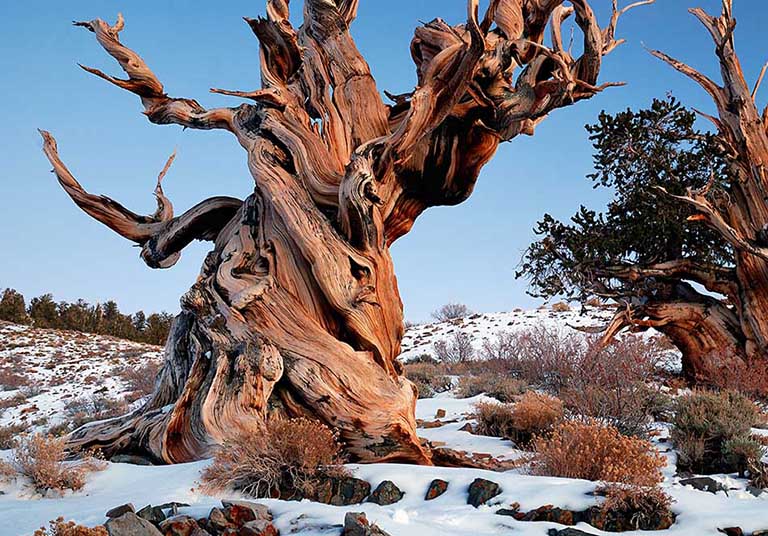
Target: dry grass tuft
(59, 527)
(288, 459)
(42, 458)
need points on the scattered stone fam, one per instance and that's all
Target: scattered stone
(258, 527)
(704, 483)
(430, 424)
(760, 533)
(356, 524)
(342, 491)
(218, 521)
(467, 428)
(117, 511)
(182, 526)
(481, 491)
(732, 531)
(241, 512)
(153, 514)
(129, 524)
(551, 514)
(436, 488)
(440, 414)
(386, 493)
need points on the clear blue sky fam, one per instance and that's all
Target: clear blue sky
(466, 253)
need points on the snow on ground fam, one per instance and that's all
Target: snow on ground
(420, 339)
(699, 513)
(60, 366)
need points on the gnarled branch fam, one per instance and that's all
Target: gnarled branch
(158, 107)
(161, 236)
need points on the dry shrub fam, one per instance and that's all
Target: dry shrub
(643, 507)
(758, 474)
(456, 349)
(429, 378)
(595, 451)
(502, 388)
(739, 452)
(614, 384)
(42, 459)
(494, 419)
(59, 527)
(451, 311)
(287, 459)
(12, 401)
(141, 379)
(533, 415)
(748, 377)
(704, 422)
(10, 380)
(9, 435)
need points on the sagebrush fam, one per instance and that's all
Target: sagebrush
(286, 458)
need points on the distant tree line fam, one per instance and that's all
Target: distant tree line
(102, 318)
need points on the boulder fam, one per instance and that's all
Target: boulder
(182, 525)
(258, 527)
(117, 511)
(356, 524)
(386, 493)
(704, 483)
(440, 414)
(342, 491)
(551, 514)
(218, 522)
(481, 491)
(732, 531)
(129, 524)
(436, 488)
(153, 514)
(259, 510)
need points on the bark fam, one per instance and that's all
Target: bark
(296, 310)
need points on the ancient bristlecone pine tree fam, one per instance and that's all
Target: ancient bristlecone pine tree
(296, 309)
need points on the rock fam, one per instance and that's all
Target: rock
(259, 510)
(117, 511)
(467, 428)
(182, 526)
(258, 527)
(568, 532)
(551, 514)
(704, 483)
(241, 512)
(754, 490)
(440, 414)
(173, 506)
(356, 524)
(386, 493)
(760, 533)
(481, 491)
(129, 524)
(342, 491)
(218, 522)
(436, 488)
(732, 531)
(153, 514)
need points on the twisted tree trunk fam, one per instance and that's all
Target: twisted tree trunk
(296, 310)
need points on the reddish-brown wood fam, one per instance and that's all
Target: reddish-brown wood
(296, 310)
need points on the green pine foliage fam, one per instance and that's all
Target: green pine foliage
(102, 318)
